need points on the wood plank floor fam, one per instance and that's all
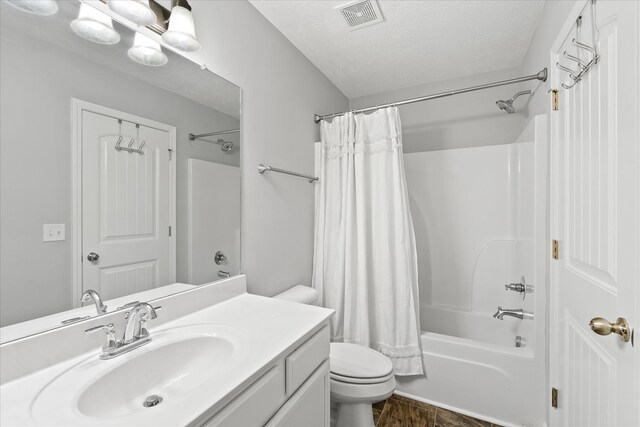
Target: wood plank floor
(399, 411)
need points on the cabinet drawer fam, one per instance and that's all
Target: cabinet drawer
(305, 360)
(255, 405)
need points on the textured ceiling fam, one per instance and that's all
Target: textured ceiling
(418, 42)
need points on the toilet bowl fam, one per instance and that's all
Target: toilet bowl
(359, 375)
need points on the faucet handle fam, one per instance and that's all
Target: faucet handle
(109, 328)
(110, 337)
(518, 287)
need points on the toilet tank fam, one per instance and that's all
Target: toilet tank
(299, 293)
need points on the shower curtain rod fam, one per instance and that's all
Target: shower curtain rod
(542, 75)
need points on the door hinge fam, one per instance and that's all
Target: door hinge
(169, 231)
(555, 100)
(555, 252)
(170, 154)
(554, 397)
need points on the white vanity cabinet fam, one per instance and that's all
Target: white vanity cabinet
(293, 392)
(243, 361)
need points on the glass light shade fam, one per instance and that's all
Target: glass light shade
(37, 7)
(94, 26)
(147, 52)
(137, 11)
(181, 33)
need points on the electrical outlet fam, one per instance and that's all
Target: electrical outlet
(53, 232)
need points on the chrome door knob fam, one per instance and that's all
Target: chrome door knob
(93, 257)
(602, 326)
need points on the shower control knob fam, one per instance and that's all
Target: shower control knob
(518, 287)
(93, 257)
(220, 258)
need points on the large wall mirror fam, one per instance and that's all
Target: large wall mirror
(116, 177)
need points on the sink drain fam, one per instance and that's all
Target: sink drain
(152, 401)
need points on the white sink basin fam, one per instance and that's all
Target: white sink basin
(172, 366)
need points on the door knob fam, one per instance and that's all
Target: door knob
(602, 326)
(93, 257)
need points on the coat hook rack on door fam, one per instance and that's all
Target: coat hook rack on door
(129, 148)
(583, 67)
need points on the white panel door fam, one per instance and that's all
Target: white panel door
(595, 188)
(125, 207)
(214, 220)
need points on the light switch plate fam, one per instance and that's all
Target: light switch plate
(53, 232)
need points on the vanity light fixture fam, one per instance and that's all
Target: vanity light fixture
(137, 11)
(146, 51)
(94, 25)
(181, 33)
(36, 7)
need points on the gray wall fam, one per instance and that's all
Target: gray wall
(282, 90)
(35, 277)
(465, 120)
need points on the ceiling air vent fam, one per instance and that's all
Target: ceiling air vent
(360, 14)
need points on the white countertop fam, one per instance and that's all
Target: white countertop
(271, 327)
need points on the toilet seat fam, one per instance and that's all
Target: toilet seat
(357, 364)
(355, 380)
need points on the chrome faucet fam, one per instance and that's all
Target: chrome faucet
(91, 295)
(512, 312)
(135, 334)
(136, 322)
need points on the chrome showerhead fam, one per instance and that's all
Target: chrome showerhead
(507, 106)
(226, 145)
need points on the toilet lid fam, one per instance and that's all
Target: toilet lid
(358, 361)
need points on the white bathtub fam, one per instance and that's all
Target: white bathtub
(486, 381)
(473, 367)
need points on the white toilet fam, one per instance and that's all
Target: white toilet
(360, 376)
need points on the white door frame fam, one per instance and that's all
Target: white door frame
(78, 106)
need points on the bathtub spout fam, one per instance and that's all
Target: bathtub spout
(512, 312)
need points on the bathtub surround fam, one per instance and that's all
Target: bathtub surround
(465, 257)
(365, 257)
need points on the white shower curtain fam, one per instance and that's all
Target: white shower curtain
(365, 264)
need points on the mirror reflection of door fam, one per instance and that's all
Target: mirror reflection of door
(127, 206)
(213, 211)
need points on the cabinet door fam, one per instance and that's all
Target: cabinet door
(309, 406)
(255, 405)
